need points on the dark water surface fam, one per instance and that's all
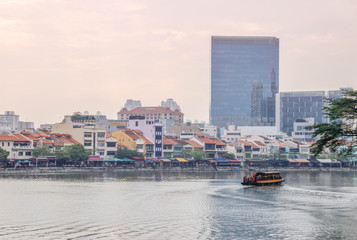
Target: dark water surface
(172, 205)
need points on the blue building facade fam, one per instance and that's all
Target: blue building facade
(244, 80)
(299, 105)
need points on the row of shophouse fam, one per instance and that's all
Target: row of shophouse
(147, 137)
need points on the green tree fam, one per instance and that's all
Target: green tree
(229, 155)
(42, 151)
(186, 153)
(3, 155)
(74, 153)
(75, 114)
(341, 133)
(127, 153)
(198, 154)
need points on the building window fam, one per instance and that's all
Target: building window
(3, 144)
(21, 153)
(87, 134)
(111, 144)
(136, 123)
(101, 134)
(87, 144)
(28, 153)
(110, 153)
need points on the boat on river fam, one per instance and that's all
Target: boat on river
(263, 178)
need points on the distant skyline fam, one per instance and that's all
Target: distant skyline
(59, 57)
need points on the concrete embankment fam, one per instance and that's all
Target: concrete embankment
(46, 170)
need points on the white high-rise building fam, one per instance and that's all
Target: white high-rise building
(170, 103)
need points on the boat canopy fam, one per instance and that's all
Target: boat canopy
(266, 173)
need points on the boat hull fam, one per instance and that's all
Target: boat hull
(264, 182)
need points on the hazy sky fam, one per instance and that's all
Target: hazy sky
(62, 56)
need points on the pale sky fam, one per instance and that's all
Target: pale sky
(62, 56)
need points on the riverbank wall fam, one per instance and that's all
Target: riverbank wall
(45, 170)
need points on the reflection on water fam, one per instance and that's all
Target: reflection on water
(177, 205)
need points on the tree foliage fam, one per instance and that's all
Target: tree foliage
(229, 155)
(186, 153)
(3, 155)
(197, 154)
(127, 153)
(42, 151)
(341, 133)
(74, 153)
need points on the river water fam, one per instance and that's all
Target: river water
(177, 205)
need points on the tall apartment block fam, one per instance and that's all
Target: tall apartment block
(299, 105)
(244, 80)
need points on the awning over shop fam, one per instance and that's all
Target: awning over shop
(156, 159)
(298, 160)
(221, 160)
(166, 160)
(126, 160)
(233, 161)
(182, 160)
(111, 159)
(173, 160)
(149, 161)
(94, 158)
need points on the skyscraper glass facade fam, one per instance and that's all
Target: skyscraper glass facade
(300, 105)
(244, 80)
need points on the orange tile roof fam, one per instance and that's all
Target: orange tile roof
(167, 142)
(123, 111)
(259, 143)
(8, 138)
(132, 135)
(66, 139)
(57, 144)
(21, 138)
(45, 141)
(218, 142)
(245, 143)
(107, 135)
(147, 141)
(194, 144)
(206, 140)
(179, 141)
(138, 132)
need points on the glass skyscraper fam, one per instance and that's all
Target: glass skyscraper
(303, 104)
(244, 80)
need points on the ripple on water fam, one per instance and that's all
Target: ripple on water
(195, 208)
